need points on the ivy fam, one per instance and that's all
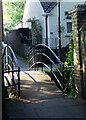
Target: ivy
(69, 82)
(36, 30)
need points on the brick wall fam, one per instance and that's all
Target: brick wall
(83, 51)
(78, 18)
(13, 39)
(0, 62)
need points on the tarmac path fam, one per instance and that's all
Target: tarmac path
(40, 98)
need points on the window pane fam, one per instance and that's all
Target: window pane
(69, 27)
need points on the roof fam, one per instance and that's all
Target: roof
(48, 6)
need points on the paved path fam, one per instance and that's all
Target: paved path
(40, 98)
(36, 85)
(24, 66)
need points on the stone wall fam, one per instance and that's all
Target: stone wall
(78, 18)
(13, 39)
(0, 62)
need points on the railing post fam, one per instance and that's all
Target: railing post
(18, 81)
(51, 68)
(4, 56)
(28, 66)
(41, 61)
(3, 91)
(37, 68)
(34, 61)
(12, 70)
(8, 62)
(63, 76)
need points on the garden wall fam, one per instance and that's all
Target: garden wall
(78, 19)
(13, 39)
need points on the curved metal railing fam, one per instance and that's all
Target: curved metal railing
(37, 51)
(43, 45)
(11, 69)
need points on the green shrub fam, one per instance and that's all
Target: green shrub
(69, 82)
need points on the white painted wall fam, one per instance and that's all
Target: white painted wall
(34, 9)
(0, 63)
(53, 24)
(52, 28)
(66, 6)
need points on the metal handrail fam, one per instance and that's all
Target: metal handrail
(11, 62)
(6, 57)
(42, 63)
(15, 59)
(48, 58)
(48, 49)
(49, 69)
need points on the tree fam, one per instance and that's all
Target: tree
(12, 13)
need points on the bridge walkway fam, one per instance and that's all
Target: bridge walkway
(40, 98)
(36, 85)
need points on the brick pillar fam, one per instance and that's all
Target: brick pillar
(83, 51)
(78, 16)
(0, 61)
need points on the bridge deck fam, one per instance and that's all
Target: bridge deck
(36, 85)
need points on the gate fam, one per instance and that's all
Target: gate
(10, 69)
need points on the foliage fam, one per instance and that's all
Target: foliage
(69, 82)
(12, 14)
(21, 58)
(69, 55)
(36, 30)
(12, 92)
(61, 27)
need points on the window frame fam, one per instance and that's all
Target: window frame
(67, 20)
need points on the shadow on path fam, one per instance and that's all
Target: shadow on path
(40, 98)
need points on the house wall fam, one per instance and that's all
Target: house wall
(33, 9)
(0, 62)
(66, 6)
(53, 24)
(52, 28)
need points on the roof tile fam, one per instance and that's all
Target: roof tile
(48, 6)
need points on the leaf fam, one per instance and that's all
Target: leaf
(12, 13)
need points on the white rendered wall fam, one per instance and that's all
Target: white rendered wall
(53, 24)
(66, 6)
(33, 9)
(53, 28)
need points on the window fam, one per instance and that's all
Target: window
(68, 25)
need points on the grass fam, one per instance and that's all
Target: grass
(48, 71)
(21, 58)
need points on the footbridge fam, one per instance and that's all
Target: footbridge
(33, 93)
(40, 56)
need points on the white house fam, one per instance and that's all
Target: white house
(47, 14)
